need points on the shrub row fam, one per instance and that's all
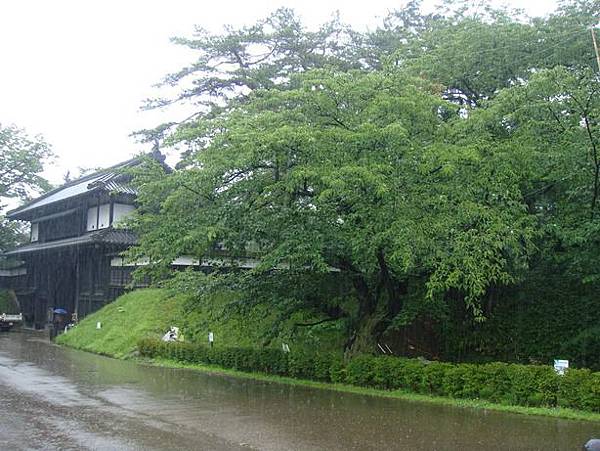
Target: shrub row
(524, 385)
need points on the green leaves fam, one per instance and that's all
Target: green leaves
(428, 160)
(354, 173)
(22, 160)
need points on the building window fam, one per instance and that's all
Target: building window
(35, 231)
(98, 217)
(92, 218)
(104, 216)
(121, 212)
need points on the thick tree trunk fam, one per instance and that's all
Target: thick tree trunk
(367, 326)
(364, 338)
(378, 302)
(360, 336)
(394, 290)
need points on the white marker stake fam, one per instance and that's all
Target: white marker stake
(211, 338)
(98, 325)
(560, 366)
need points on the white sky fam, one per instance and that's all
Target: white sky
(76, 71)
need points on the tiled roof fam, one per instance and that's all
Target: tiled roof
(114, 182)
(115, 236)
(117, 186)
(107, 236)
(110, 180)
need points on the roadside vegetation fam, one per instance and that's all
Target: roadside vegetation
(131, 327)
(417, 184)
(501, 383)
(151, 312)
(430, 188)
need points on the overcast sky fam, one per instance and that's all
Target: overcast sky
(77, 71)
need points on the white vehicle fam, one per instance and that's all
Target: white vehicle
(8, 321)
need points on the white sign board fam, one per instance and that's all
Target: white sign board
(560, 366)
(211, 337)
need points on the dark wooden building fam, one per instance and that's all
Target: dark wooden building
(71, 261)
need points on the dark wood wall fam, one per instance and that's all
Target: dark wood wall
(77, 278)
(94, 271)
(69, 218)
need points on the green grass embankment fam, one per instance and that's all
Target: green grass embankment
(150, 312)
(136, 314)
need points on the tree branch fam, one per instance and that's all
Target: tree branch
(596, 165)
(315, 323)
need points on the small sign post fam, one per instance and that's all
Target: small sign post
(211, 339)
(560, 366)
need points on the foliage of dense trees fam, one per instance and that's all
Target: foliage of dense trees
(21, 161)
(440, 160)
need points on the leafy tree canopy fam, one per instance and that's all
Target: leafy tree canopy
(21, 163)
(554, 118)
(432, 160)
(357, 174)
(473, 49)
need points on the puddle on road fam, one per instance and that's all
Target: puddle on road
(192, 410)
(30, 380)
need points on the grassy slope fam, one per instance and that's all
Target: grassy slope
(150, 312)
(124, 322)
(254, 328)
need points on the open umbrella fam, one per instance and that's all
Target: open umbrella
(60, 311)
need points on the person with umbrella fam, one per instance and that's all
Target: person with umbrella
(59, 321)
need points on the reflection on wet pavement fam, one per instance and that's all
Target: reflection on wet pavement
(55, 398)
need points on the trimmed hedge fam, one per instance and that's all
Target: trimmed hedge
(585, 348)
(504, 383)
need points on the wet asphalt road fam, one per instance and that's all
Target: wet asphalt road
(43, 408)
(55, 398)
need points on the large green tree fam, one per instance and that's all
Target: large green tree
(22, 160)
(475, 49)
(356, 174)
(551, 123)
(429, 162)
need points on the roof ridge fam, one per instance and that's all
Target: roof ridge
(77, 181)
